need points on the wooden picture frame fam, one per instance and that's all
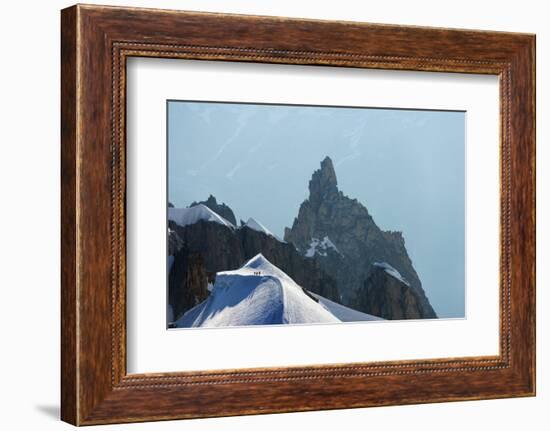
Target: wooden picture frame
(95, 43)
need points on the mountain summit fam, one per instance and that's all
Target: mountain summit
(323, 183)
(258, 293)
(330, 217)
(329, 213)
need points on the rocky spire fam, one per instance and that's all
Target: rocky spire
(323, 183)
(329, 213)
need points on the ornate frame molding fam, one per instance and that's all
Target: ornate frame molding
(96, 41)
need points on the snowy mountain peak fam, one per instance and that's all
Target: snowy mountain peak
(258, 293)
(219, 208)
(194, 214)
(257, 226)
(259, 265)
(258, 261)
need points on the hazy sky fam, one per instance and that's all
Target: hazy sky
(407, 167)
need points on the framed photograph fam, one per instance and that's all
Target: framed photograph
(265, 214)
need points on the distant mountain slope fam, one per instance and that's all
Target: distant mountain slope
(339, 233)
(258, 293)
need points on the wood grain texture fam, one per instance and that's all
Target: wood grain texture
(96, 41)
(68, 218)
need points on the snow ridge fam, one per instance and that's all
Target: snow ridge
(258, 227)
(258, 293)
(194, 214)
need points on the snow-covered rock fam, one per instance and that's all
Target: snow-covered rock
(321, 247)
(259, 227)
(391, 271)
(345, 314)
(258, 293)
(192, 215)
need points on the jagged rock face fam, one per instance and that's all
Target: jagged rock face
(188, 282)
(222, 249)
(174, 242)
(387, 297)
(216, 244)
(323, 184)
(329, 213)
(219, 208)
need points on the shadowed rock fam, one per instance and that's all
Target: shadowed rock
(388, 296)
(222, 248)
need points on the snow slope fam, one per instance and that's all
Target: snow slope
(257, 226)
(391, 271)
(258, 293)
(345, 314)
(192, 215)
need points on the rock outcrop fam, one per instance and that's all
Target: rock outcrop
(358, 241)
(187, 281)
(388, 296)
(174, 242)
(219, 208)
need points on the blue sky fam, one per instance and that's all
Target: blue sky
(407, 167)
